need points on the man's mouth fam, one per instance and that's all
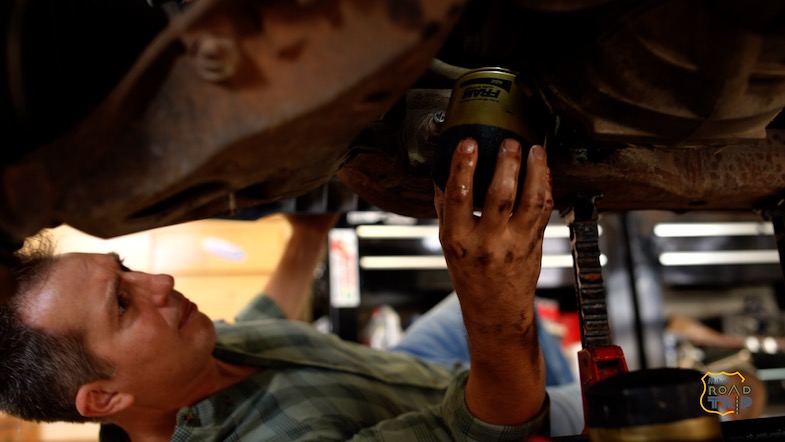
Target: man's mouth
(188, 309)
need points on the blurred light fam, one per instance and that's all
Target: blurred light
(752, 343)
(223, 248)
(419, 262)
(681, 230)
(770, 345)
(432, 243)
(402, 262)
(771, 374)
(719, 257)
(393, 232)
(373, 217)
(364, 217)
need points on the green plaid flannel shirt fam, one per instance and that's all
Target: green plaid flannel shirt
(315, 387)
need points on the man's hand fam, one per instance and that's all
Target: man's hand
(494, 263)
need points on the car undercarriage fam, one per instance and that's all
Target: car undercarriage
(115, 128)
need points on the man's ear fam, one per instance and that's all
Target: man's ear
(96, 399)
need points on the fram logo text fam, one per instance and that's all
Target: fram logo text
(481, 92)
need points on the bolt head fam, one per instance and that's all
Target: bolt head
(215, 57)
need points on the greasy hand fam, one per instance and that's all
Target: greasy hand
(494, 260)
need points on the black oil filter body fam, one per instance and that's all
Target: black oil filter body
(486, 105)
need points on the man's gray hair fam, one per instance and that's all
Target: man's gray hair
(41, 372)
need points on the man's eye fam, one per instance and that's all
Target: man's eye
(122, 303)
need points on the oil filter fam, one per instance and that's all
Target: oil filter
(487, 105)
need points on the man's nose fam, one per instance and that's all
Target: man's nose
(160, 287)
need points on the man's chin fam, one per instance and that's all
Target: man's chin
(201, 331)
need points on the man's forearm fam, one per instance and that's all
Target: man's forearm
(506, 384)
(494, 262)
(293, 277)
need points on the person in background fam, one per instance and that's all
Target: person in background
(87, 339)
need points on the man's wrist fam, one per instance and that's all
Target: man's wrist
(501, 323)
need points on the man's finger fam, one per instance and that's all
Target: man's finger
(502, 190)
(438, 203)
(535, 202)
(458, 191)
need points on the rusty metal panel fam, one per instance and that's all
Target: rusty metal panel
(745, 176)
(255, 97)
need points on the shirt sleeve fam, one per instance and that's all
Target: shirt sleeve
(452, 421)
(261, 307)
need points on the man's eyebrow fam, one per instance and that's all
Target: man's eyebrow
(110, 304)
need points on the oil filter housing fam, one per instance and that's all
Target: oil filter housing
(486, 104)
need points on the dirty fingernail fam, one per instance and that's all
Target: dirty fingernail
(538, 152)
(512, 145)
(468, 146)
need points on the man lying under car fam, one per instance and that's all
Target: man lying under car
(87, 339)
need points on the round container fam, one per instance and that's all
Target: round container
(487, 105)
(657, 405)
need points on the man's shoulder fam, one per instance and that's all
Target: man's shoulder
(284, 343)
(260, 307)
(271, 340)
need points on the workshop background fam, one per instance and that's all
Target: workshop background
(701, 290)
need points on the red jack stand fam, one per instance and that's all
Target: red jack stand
(596, 364)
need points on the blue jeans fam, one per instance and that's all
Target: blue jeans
(439, 336)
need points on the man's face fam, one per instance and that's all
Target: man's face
(157, 339)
